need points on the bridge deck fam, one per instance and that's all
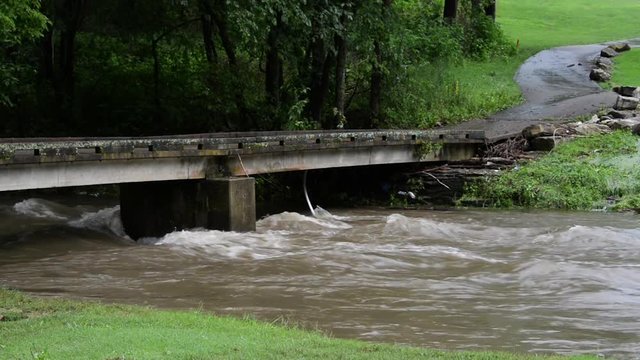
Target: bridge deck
(59, 162)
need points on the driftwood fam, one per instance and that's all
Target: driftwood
(510, 149)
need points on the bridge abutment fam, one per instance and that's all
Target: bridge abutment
(153, 209)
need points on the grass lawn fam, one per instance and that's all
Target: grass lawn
(488, 87)
(627, 69)
(543, 24)
(36, 328)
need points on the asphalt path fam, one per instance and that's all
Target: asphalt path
(556, 86)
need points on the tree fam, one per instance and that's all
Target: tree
(21, 23)
(375, 95)
(451, 10)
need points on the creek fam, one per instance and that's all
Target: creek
(549, 282)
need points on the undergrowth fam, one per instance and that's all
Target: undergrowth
(589, 173)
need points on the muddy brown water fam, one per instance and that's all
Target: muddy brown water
(550, 282)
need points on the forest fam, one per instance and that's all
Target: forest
(151, 67)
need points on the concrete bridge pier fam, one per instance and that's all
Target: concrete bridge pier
(232, 203)
(153, 209)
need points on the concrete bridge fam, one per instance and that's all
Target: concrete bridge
(178, 182)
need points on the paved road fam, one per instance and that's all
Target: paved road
(556, 86)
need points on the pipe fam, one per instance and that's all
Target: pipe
(306, 194)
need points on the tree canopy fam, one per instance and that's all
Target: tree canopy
(143, 67)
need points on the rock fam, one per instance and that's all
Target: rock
(605, 118)
(599, 75)
(636, 130)
(543, 143)
(622, 124)
(604, 63)
(546, 143)
(534, 131)
(616, 114)
(631, 91)
(594, 119)
(591, 129)
(608, 52)
(626, 103)
(620, 47)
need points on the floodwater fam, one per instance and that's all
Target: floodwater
(549, 282)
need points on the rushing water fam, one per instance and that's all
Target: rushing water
(516, 281)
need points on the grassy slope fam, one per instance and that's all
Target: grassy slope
(579, 175)
(627, 69)
(543, 24)
(538, 24)
(593, 169)
(59, 329)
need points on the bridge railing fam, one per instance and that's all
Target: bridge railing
(48, 150)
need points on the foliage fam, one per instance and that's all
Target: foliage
(20, 24)
(61, 329)
(164, 66)
(154, 67)
(580, 175)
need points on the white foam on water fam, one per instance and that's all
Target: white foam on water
(105, 220)
(38, 208)
(291, 221)
(400, 225)
(592, 237)
(230, 245)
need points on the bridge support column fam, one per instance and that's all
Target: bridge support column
(232, 205)
(153, 209)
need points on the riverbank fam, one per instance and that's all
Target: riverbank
(46, 328)
(596, 172)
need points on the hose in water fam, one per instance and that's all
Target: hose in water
(306, 194)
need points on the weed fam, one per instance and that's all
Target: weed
(578, 175)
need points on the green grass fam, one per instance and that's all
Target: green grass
(543, 24)
(579, 175)
(627, 69)
(36, 328)
(487, 87)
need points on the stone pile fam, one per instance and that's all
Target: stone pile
(603, 64)
(545, 136)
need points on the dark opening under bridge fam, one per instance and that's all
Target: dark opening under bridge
(185, 181)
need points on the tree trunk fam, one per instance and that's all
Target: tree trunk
(156, 78)
(67, 63)
(207, 38)
(341, 74)
(450, 10)
(273, 73)
(375, 96)
(318, 58)
(329, 64)
(490, 10)
(376, 86)
(70, 14)
(47, 55)
(219, 15)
